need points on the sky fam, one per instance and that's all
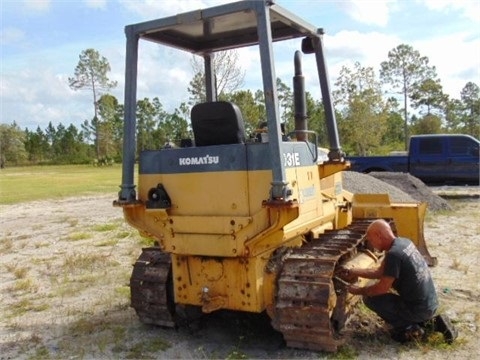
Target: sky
(41, 41)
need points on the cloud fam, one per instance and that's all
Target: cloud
(463, 51)
(11, 35)
(37, 6)
(149, 9)
(38, 95)
(468, 8)
(96, 4)
(163, 73)
(341, 49)
(369, 12)
(369, 49)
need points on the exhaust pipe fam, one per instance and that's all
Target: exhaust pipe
(299, 99)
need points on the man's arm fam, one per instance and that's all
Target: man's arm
(379, 288)
(382, 286)
(372, 273)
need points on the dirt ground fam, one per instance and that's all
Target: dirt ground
(65, 267)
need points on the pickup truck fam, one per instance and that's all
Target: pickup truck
(434, 159)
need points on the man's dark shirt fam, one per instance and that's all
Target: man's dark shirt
(413, 280)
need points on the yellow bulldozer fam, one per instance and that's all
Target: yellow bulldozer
(241, 224)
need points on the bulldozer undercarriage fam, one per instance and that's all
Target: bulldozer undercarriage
(311, 305)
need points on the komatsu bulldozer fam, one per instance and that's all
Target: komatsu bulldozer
(241, 224)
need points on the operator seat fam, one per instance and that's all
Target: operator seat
(217, 123)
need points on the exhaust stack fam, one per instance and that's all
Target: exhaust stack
(299, 100)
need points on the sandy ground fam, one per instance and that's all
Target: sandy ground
(65, 267)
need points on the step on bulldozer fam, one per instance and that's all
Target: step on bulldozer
(240, 224)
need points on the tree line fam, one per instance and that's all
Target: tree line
(369, 122)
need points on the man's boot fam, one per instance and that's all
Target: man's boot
(443, 324)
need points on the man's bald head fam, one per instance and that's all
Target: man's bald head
(380, 235)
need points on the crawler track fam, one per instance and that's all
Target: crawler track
(311, 304)
(150, 286)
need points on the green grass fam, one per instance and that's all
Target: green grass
(105, 227)
(147, 348)
(21, 184)
(108, 242)
(79, 236)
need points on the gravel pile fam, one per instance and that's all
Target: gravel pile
(415, 187)
(400, 186)
(356, 182)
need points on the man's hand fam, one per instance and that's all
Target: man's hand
(378, 288)
(346, 274)
(354, 289)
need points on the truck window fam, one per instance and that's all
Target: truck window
(462, 146)
(431, 146)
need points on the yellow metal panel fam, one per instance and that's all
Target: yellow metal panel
(317, 205)
(273, 236)
(174, 236)
(406, 215)
(217, 193)
(229, 225)
(215, 283)
(332, 186)
(203, 244)
(259, 184)
(245, 242)
(330, 168)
